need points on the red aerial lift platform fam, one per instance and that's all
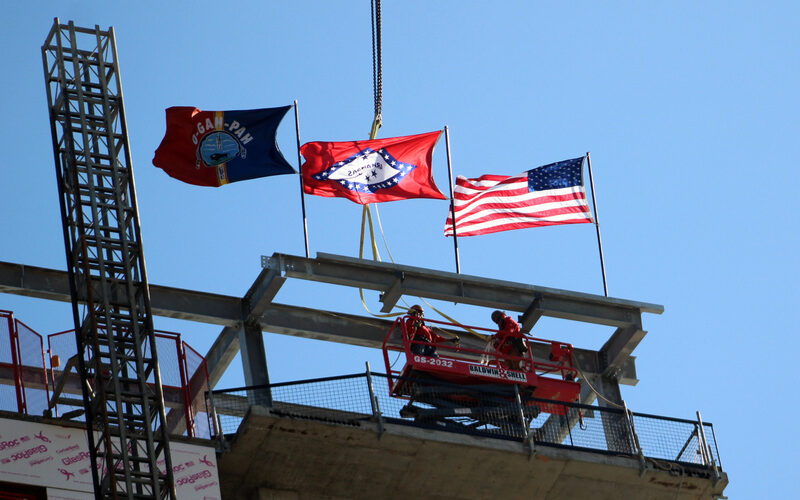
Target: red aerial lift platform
(457, 380)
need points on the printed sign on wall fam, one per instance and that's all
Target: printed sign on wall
(58, 457)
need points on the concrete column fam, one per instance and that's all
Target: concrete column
(254, 363)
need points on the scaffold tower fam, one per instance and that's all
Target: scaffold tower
(117, 361)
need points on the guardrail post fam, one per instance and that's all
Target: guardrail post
(527, 436)
(705, 453)
(373, 400)
(637, 447)
(215, 420)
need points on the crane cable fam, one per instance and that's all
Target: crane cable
(377, 94)
(366, 213)
(377, 66)
(589, 384)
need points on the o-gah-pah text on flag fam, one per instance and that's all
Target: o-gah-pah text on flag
(214, 148)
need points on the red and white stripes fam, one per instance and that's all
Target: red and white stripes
(493, 203)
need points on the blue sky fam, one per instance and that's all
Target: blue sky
(689, 110)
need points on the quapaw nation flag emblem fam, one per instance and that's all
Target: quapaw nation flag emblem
(212, 148)
(219, 147)
(373, 171)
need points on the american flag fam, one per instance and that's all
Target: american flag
(544, 196)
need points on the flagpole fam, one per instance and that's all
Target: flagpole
(452, 201)
(597, 224)
(299, 169)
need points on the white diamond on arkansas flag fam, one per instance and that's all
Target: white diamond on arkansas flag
(373, 171)
(367, 171)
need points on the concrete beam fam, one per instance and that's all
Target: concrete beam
(284, 457)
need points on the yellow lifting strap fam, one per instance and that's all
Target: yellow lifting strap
(366, 216)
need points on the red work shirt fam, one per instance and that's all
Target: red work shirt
(418, 331)
(508, 330)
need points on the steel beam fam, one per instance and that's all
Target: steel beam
(221, 354)
(392, 295)
(395, 280)
(261, 293)
(179, 303)
(276, 318)
(618, 348)
(531, 315)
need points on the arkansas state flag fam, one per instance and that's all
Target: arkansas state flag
(372, 171)
(212, 148)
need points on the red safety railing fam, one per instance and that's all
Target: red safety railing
(183, 374)
(22, 368)
(27, 383)
(36, 387)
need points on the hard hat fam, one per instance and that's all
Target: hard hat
(498, 316)
(416, 309)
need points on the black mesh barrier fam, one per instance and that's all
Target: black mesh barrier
(497, 411)
(196, 387)
(676, 440)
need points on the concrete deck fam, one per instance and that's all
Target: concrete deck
(275, 457)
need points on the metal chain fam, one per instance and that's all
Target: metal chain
(377, 65)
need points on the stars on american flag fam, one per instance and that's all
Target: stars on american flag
(557, 175)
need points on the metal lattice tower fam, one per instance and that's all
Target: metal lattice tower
(117, 360)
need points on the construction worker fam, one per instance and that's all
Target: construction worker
(508, 341)
(423, 340)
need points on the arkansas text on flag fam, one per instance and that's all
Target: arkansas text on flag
(545, 196)
(373, 171)
(212, 148)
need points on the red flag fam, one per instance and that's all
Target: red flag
(373, 171)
